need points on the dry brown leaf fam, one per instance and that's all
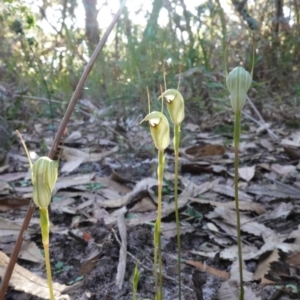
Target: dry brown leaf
(191, 127)
(30, 252)
(74, 180)
(90, 262)
(4, 188)
(273, 191)
(167, 209)
(293, 141)
(235, 272)
(267, 144)
(110, 203)
(25, 281)
(9, 203)
(169, 229)
(293, 153)
(63, 205)
(294, 259)
(229, 291)
(247, 173)
(199, 151)
(220, 240)
(283, 170)
(8, 227)
(212, 227)
(75, 157)
(208, 269)
(227, 215)
(198, 189)
(256, 228)
(243, 205)
(229, 191)
(229, 230)
(145, 204)
(3, 168)
(10, 177)
(231, 253)
(282, 210)
(74, 136)
(264, 267)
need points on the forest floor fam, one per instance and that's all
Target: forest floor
(107, 177)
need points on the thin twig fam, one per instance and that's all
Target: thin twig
(60, 132)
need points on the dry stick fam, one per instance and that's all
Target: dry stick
(270, 132)
(56, 141)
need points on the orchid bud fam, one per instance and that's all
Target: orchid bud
(43, 176)
(159, 128)
(238, 82)
(175, 104)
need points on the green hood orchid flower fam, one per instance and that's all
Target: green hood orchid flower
(175, 104)
(159, 128)
(238, 82)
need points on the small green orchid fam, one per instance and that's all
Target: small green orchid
(238, 82)
(159, 128)
(43, 176)
(175, 105)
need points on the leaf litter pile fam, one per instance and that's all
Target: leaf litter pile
(104, 208)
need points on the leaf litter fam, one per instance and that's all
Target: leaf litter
(102, 194)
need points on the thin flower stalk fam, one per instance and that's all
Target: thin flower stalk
(45, 228)
(160, 175)
(237, 126)
(175, 106)
(160, 132)
(238, 82)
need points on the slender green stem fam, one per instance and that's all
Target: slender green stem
(160, 174)
(237, 129)
(156, 243)
(176, 152)
(45, 225)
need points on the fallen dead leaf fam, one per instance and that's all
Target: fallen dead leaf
(229, 290)
(229, 191)
(75, 157)
(31, 252)
(199, 151)
(235, 272)
(293, 153)
(243, 205)
(25, 281)
(247, 173)
(169, 229)
(74, 180)
(283, 170)
(264, 267)
(12, 203)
